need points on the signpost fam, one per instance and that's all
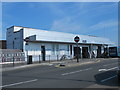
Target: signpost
(76, 39)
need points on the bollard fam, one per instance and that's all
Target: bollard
(27, 59)
(39, 59)
(13, 61)
(57, 57)
(49, 58)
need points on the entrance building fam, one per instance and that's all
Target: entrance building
(51, 45)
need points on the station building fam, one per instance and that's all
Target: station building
(51, 45)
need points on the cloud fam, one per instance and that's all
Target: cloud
(60, 0)
(95, 10)
(55, 8)
(52, 6)
(0, 35)
(73, 16)
(0, 30)
(3, 30)
(91, 10)
(105, 24)
(66, 25)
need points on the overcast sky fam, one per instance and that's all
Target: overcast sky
(86, 18)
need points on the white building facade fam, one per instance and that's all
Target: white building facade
(50, 45)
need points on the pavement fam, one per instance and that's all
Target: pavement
(58, 64)
(100, 73)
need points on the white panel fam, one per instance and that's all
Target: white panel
(63, 37)
(17, 29)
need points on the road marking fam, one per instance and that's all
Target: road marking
(108, 78)
(110, 64)
(19, 83)
(107, 69)
(97, 60)
(76, 71)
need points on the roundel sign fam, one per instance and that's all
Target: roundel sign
(76, 39)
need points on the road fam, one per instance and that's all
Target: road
(96, 75)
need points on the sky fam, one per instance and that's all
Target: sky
(85, 18)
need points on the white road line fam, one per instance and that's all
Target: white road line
(76, 71)
(19, 83)
(108, 78)
(110, 64)
(107, 69)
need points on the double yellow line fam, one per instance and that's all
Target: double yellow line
(58, 66)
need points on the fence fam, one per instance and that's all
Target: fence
(11, 57)
(48, 58)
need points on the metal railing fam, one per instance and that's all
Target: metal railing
(8, 59)
(48, 58)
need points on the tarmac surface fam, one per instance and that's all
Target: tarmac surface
(88, 73)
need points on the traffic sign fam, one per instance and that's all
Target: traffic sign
(76, 39)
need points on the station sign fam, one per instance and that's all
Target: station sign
(76, 39)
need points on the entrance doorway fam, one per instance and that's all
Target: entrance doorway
(43, 53)
(29, 59)
(99, 52)
(106, 52)
(77, 50)
(85, 53)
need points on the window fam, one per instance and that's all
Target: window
(53, 49)
(67, 47)
(84, 41)
(57, 47)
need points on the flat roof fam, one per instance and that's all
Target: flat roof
(49, 31)
(54, 36)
